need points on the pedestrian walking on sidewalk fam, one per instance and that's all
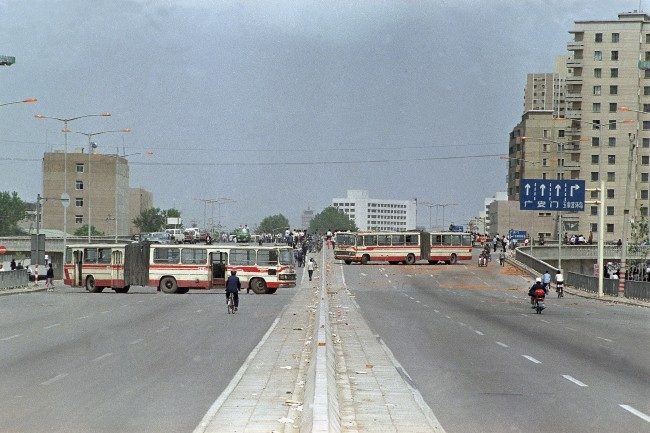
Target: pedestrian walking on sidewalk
(49, 278)
(311, 266)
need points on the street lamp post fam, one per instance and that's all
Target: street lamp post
(23, 101)
(91, 146)
(65, 198)
(430, 206)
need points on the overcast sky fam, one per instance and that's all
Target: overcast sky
(406, 99)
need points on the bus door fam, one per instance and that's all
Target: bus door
(117, 270)
(219, 260)
(77, 261)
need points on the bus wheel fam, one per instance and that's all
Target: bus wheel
(347, 262)
(258, 286)
(270, 291)
(365, 259)
(410, 259)
(168, 285)
(453, 259)
(122, 289)
(90, 285)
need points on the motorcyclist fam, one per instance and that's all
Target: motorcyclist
(532, 292)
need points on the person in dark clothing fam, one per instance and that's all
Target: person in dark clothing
(49, 281)
(233, 285)
(12, 265)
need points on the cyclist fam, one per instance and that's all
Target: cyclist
(546, 279)
(233, 285)
(559, 284)
(538, 285)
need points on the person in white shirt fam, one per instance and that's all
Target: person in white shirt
(311, 266)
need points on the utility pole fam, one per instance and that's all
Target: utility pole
(205, 208)
(429, 205)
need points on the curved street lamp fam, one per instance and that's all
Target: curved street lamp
(65, 198)
(24, 101)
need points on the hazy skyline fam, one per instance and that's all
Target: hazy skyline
(282, 105)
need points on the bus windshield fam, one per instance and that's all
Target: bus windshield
(286, 257)
(345, 239)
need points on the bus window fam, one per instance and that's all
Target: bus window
(286, 257)
(345, 239)
(455, 240)
(166, 255)
(68, 255)
(399, 239)
(267, 257)
(370, 240)
(436, 239)
(103, 255)
(446, 239)
(90, 255)
(242, 257)
(383, 240)
(193, 256)
(467, 240)
(412, 239)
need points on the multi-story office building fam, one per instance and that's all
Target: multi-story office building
(98, 186)
(139, 200)
(307, 216)
(545, 91)
(608, 101)
(377, 214)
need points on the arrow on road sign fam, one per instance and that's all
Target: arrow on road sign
(573, 188)
(558, 188)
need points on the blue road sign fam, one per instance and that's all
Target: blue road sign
(455, 228)
(518, 235)
(552, 195)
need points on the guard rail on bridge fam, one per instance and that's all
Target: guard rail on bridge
(13, 279)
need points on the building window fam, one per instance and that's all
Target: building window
(594, 227)
(560, 133)
(644, 194)
(645, 142)
(596, 90)
(644, 177)
(611, 176)
(595, 107)
(613, 90)
(79, 219)
(615, 37)
(79, 184)
(612, 125)
(646, 90)
(610, 228)
(598, 72)
(593, 210)
(646, 73)
(593, 194)
(80, 167)
(611, 141)
(610, 211)
(595, 141)
(594, 176)
(611, 159)
(598, 37)
(610, 193)
(594, 159)
(595, 125)
(613, 72)
(79, 201)
(646, 125)
(613, 107)
(647, 38)
(645, 160)
(614, 55)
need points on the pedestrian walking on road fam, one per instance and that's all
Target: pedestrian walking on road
(311, 266)
(49, 278)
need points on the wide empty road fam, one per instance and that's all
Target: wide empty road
(72, 361)
(485, 362)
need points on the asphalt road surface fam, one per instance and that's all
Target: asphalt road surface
(72, 361)
(485, 362)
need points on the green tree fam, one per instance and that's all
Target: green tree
(273, 224)
(150, 220)
(333, 219)
(172, 213)
(83, 231)
(12, 210)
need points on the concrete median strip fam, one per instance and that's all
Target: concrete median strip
(320, 368)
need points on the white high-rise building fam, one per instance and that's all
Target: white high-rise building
(373, 214)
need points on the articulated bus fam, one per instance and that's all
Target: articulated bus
(177, 269)
(403, 247)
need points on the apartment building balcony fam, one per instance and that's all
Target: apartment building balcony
(573, 96)
(575, 79)
(571, 164)
(575, 45)
(571, 148)
(573, 114)
(574, 63)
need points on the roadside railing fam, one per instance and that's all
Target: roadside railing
(13, 279)
(589, 283)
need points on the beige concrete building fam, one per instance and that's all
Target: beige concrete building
(608, 96)
(98, 186)
(139, 200)
(505, 215)
(546, 90)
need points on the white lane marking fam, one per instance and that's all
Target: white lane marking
(606, 339)
(82, 317)
(199, 311)
(571, 329)
(545, 321)
(99, 358)
(51, 326)
(10, 338)
(426, 305)
(54, 379)
(162, 328)
(462, 324)
(437, 311)
(386, 275)
(124, 305)
(525, 315)
(362, 274)
(448, 317)
(417, 302)
(638, 413)
(531, 359)
(139, 340)
(502, 344)
(203, 425)
(140, 302)
(574, 380)
(104, 312)
(431, 275)
(410, 297)
(390, 282)
(479, 332)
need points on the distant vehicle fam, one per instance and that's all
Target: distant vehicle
(243, 234)
(177, 235)
(157, 238)
(190, 235)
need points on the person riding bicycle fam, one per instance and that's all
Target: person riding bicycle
(546, 279)
(537, 289)
(233, 285)
(559, 282)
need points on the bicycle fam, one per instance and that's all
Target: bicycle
(231, 303)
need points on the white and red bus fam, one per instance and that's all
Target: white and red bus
(402, 247)
(178, 268)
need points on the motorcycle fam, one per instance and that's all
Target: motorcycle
(482, 260)
(539, 300)
(559, 288)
